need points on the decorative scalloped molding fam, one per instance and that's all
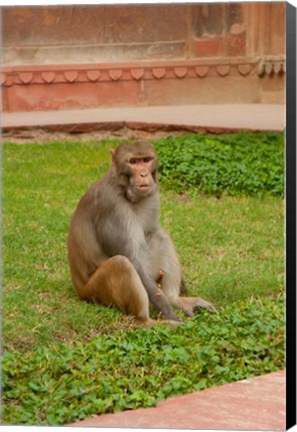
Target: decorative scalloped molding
(201, 71)
(272, 65)
(51, 74)
(137, 73)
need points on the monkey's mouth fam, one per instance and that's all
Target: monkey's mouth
(143, 187)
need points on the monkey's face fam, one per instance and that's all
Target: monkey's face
(137, 166)
(142, 177)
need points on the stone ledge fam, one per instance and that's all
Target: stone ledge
(83, 86)
(200, 68)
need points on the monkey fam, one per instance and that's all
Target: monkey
(118, 253)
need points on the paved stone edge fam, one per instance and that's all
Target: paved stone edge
(256, 403)
(81, 127)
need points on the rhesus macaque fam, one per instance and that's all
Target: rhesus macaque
(118, 253)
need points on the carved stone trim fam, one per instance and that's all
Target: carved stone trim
(272, 65)
(115, 74)
(48, 77)
(93, 75)
(223, 70)
(137, 73)
(202, 71)
(244, 69)
(159, 72)
(180, 71)
(71, 76)
(25, 77)
(198, 68)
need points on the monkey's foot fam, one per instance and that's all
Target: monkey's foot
(149, 323)
(171, 322)
(201, 303)
(190, 305)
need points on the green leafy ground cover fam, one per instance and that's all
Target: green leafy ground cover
(237, 164)
(138, 368)
(65, 359)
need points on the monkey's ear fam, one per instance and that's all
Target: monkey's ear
(114, 159)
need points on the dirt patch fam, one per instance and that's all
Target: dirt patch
(82, 132)
(41, 136)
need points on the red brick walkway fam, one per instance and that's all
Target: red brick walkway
(254, 404)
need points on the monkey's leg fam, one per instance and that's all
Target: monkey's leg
(164, 258)
(186, 304)
(116, 282)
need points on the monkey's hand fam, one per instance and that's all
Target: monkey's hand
(156, 296)
(159, 280)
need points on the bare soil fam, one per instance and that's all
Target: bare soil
(41, 136)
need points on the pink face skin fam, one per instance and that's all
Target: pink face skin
(141, 172)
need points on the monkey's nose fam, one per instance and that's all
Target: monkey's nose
(143, 174)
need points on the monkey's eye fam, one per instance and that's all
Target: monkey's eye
(132, 161)
(147, 159)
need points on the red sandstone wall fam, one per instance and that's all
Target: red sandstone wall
(94, 33)
(85, 56)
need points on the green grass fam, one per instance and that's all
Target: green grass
(232, 253)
